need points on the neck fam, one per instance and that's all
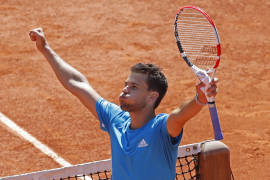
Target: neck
(140, 118)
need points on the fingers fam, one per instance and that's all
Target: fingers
(200, 92)
(38, 36)
(214, 81)
(212, 89)
(36, 32)
(32, 36)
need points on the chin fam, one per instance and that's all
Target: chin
(125, 107)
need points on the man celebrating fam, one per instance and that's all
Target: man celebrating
(144, 145)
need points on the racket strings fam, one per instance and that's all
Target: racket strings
(198, 39)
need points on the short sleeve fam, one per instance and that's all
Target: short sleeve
(168, 140)
(107, 113)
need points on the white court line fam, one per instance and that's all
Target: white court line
(28, 137)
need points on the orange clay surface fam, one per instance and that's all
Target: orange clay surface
(102, 39)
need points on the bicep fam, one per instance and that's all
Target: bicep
(86, 94)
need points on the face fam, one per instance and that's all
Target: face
(135, 94)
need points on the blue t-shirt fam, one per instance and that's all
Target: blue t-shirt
(141, 154)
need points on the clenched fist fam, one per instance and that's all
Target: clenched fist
(38, 36)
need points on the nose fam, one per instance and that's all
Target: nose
(125, 90)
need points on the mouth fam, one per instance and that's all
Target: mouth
(123, 96)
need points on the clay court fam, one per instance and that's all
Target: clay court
(102, 39)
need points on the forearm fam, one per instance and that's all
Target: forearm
(187, 110)
(65, 73)
(181, 115)
(72, 80)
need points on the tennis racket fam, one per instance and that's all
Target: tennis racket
(198, 42)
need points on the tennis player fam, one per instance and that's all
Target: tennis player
(144, 145)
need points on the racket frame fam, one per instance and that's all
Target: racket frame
(201, 74)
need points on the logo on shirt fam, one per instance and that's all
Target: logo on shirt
(142, 144)
(102, 125)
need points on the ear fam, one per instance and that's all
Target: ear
(153, 96)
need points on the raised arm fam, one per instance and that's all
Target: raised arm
(70, 78)
(181, 115)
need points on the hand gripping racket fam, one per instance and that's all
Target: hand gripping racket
(198, 42)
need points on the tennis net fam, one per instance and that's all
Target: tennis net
(187, 168)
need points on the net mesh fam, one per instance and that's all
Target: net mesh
(187, 168)
(105, 175)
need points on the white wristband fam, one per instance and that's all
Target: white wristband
(199, 102)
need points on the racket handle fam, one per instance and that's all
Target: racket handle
(215, 120)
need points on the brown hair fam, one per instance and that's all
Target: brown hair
(156, 80)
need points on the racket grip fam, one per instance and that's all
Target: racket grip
(215, 120)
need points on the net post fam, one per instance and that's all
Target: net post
(214, 161)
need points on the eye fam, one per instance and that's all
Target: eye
(133, 87)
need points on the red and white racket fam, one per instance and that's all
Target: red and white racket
(198, 42)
